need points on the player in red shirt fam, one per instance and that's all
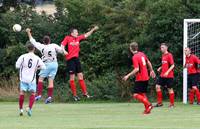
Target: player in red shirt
(166, 76)
(191, 64)
(140, 63)
(198, 71)
(72, 42)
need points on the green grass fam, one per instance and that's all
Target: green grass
(99, 115)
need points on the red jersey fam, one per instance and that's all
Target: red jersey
(73, 45)
(139, 61)
(198, 69)
(167, 61)
(191, 64)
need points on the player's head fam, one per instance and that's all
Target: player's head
(164, 47)
(46, 39)
(187, 51)
(30, 47)
(134, 47)
(74, 32)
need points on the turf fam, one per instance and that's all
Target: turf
(99, 116)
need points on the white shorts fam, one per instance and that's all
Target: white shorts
(31, 87)
(50, 71)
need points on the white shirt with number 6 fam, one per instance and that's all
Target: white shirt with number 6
(28, 65)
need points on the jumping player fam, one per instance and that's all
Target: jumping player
(191, 64)
(28, 65)
(72, 42)
(140, 63)
(166, 76)
(49, 57)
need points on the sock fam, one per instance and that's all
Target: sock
(50, 92)
(171, 98)
(191, 96)
(83, 87)
(197, 95)
(21, 101)
(145, 96)
(159, 97)
(39, 88)
(73, 87)
(31, 101)
(142, 99)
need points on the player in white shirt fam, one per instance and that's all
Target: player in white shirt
(28, 65)
(49, 57)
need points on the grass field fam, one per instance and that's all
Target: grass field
(99, 115)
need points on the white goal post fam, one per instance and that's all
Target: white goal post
(191, 39)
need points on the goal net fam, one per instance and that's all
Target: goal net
(191, 39)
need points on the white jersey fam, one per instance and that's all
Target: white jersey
(28, 65)
(49, 52)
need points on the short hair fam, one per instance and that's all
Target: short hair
(164, 44)
(189, 49)
(46, 39)
(134, 46)
(72, 29)
(29, 46)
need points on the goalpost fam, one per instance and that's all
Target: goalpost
(191, 39)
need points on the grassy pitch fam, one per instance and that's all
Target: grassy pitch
(99, 116)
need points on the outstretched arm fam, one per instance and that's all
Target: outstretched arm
(28, 31)
(91, 31)
(38, 45)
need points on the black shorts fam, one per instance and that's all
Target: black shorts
(74, 66)
(140, 87)
(165, 82)
(193, 80)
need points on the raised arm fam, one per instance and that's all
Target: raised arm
(91, 31)
(28, 31)
(38, 45)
